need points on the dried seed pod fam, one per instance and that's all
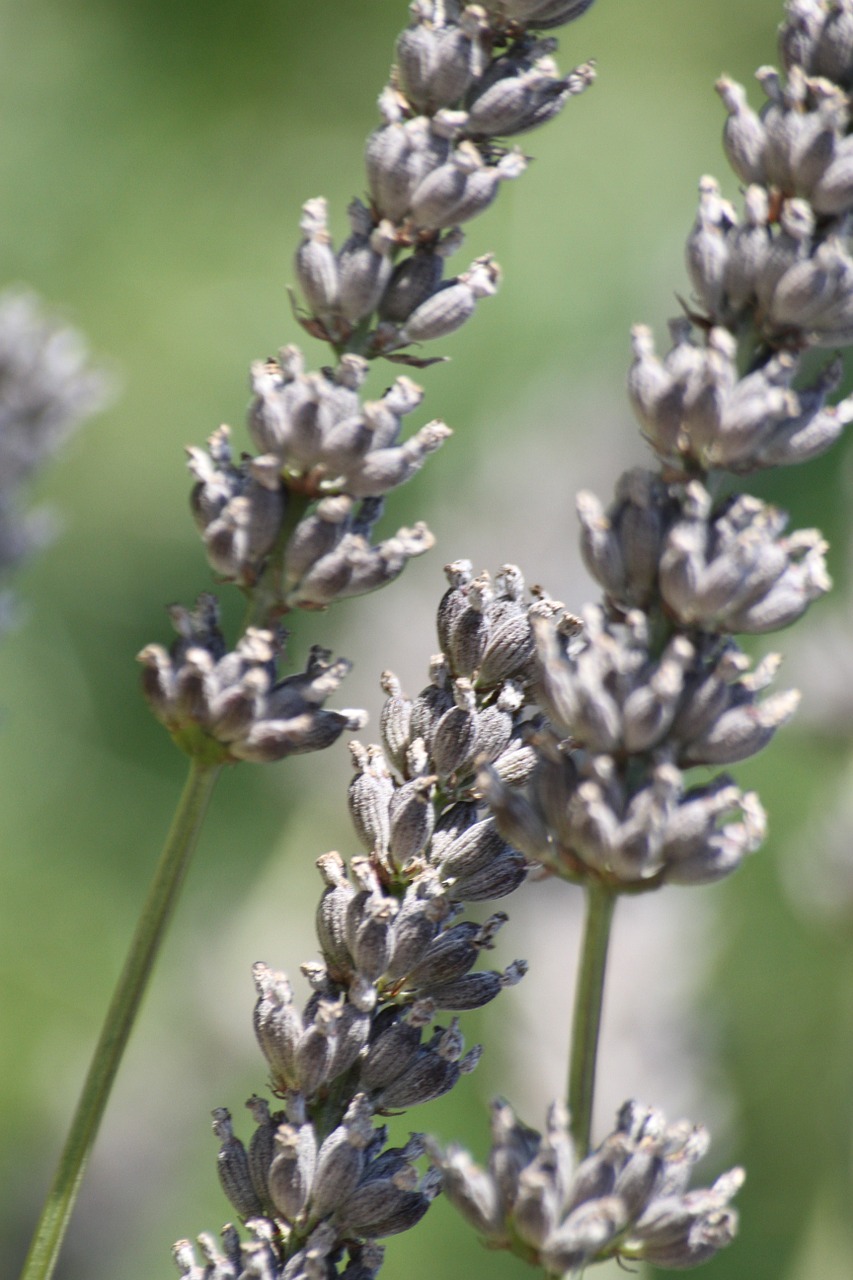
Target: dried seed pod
(233, 1165)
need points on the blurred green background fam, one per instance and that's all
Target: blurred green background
(153, 160)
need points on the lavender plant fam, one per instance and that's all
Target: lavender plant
(543, 740)
(569, 742)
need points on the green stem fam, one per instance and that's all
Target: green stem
(155, 916)
(586, 1021)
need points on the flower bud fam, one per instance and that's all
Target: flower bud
(438, 58)
(233, 1165)
(316, 267)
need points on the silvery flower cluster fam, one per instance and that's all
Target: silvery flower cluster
(316, 1177)
(229, 705)
(293, 525)
(466, 78)
(656, 684)
(414, 801)
(628, 1199)
(304, 509)
(786, 266)
(48, 386)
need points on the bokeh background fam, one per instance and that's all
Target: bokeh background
(153, 159)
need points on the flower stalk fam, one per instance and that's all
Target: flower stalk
(151, 927)
(599, 905)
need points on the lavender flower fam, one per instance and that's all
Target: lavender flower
(231, 705)
(48, 387)
(628, 1199)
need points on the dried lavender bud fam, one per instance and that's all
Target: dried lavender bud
(621, 548)
(495, 724)
(500, 877)
(461, 188)
(369, 797)
(399, 155)
(473, 990)
(315, 1051)
(412, 818)
(233, 1165)
(385, 469)
(740, 729)
(450, 306)
(438, 59)
(799, 33)
(291, 1170)
(315, 262)
(353, 1027)
(278, 1025)
(183, 1254)
(453, 823)
(262, 1146)
(430, 705)
(476, 848)
(393, 1045)
(509, 648)
(706, 246)
(364, 264)
(354, 567)
(382, 1208)
(455, 739)
(370, 920)
(454, 952)
(341, 1159)
(395, 720)
(421, 912)
(833, 51)
(744, 135)
(522, 91)
(459, 574)
(467, 642)
(427, 1076)
(238, 540)
(331, 918)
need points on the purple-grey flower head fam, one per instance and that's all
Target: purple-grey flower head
(735, 569)
(225, 706)
(347, 1189)
(466, 77)
(628, 1199)
(697, 412)
(582, 817)
(328, 459)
